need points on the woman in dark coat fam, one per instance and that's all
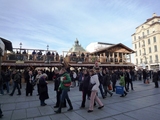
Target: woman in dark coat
(106, 82)
(29, 86)
(43, 89)
(155, 79)
(85, 83)
(114, 80)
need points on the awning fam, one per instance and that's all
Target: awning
(8, 44)
(32, 64)
(101, 65)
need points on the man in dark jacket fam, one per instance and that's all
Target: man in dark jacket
(129, 79)
(114, 80)
(16, 83)
(100, 77)
(57, 81)
(144, 75)
(155, 79)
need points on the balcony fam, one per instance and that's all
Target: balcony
(150, 61)
(156, 61)
(143, 45)
(144, 53)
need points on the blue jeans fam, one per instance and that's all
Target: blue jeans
(16, 85)
(64, 95)
(101, 90)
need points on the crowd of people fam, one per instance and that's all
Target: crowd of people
(89, 81)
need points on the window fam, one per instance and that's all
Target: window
(142, 26)
(136, 61)
(139, 52)
(150, 57)
(141, 60)
(149, 42)
(150, 50)
(136, 53)
(156, 57)
(135, 46)
(143, 34)
(147, 32)
(154, 39)
(134, 37)
(155, 48)
(139, 44)
(144, 51)
(139, 37)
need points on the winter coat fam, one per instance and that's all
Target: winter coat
(29, 86)
(155, 76)
(56, 81)
(43, 88)
(94, 80)
(106, 80)
(122, 81)
(65, 79)
(85, 82)
(113, 77)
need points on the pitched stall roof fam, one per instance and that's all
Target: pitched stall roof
(113, 46)
(8, 44)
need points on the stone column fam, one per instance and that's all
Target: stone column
(113, 57)
(118, 57)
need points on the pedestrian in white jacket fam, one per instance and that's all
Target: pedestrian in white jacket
(95, 88)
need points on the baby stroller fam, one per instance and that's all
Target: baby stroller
(1, 114)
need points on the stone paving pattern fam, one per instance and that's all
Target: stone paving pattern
(141, 104)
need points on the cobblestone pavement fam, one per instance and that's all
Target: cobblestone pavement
(141, 104)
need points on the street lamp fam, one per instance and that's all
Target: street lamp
(47, 47)
(20, 46)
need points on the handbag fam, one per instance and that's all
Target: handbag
(110, 87)
(91, 86)
(33, 82)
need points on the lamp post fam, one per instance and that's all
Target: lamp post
(47, 47)
(20, 46)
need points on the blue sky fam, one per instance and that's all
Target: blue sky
(57, 23)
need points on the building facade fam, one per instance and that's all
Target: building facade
(146, 42)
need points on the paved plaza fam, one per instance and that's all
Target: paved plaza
(141, 104)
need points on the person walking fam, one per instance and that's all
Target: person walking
(100, 78)
(122, 83)
(85, 83)
(16, 80)
(95, 82)
(37, 80)
(129, 79)
(106, 83)
(64, 86)
(155, 78)
(57, 81)
(43, 89)
(114, 80)
(29, 86)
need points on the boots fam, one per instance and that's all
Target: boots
(59, 109)
(70, 105)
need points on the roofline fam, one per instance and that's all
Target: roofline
(113, 46)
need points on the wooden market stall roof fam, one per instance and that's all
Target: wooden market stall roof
(116, 48)
(8, 44)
